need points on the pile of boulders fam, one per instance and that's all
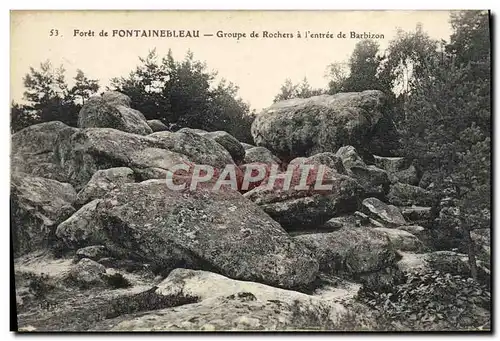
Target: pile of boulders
(263, 258)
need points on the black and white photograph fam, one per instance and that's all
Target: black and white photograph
(251, 171)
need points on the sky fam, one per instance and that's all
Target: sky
(259, 66)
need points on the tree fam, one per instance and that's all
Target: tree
(470, 41)
(364, 64)
(145, 86)
(337, 74)
(21, 117)
(49, 97)
(184, 94)
(406, 59)
(84, 87)
(447, 129)
(301, 90)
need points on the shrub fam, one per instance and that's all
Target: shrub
(430, 300)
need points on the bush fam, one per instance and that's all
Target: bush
(432, 301)
(39, 285)
(117, 281)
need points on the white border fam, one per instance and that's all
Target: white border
(186, 4)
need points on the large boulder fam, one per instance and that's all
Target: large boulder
(401, 194)
(240, 312)
(116, 98)
(104, 181)
(99, 113)
(303, 127)
(227, 304)
(87, 273)
(203, 285)
(351, 251)
(154, 163)
(402, 240)
(38, 205)
(226, 140)
(260, 155)
(304, 209)
(157, 125)
(82, 229)
(389, 215)
(197, 148)
(222, 230)
(89, 150)
(32, 150)
(374, 180)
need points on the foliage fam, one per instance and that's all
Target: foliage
(336, 74)
(447, 129)
(406, 59)
(430, 300)
(470, 41)
(39, 285)
(300, 90)
(364, 65)
(49, 98)
(84, 87)
(117, 281)
(184, 94)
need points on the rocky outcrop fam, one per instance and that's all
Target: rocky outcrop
(374, 180)
(239, 305)
(303, 127)
(416, 230)
(97, 112)
(398, 169)
(82, 229)
(94, 149)
(417, 213)
(238, 312)
(104, 181)
(138, 255)
(351, 251)
(226, 140)
(32, 150)
(37, 206)
(89, 150)
(302, 209)
(197, 148)
(220, 230)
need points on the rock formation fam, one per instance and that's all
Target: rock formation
(101, 239)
